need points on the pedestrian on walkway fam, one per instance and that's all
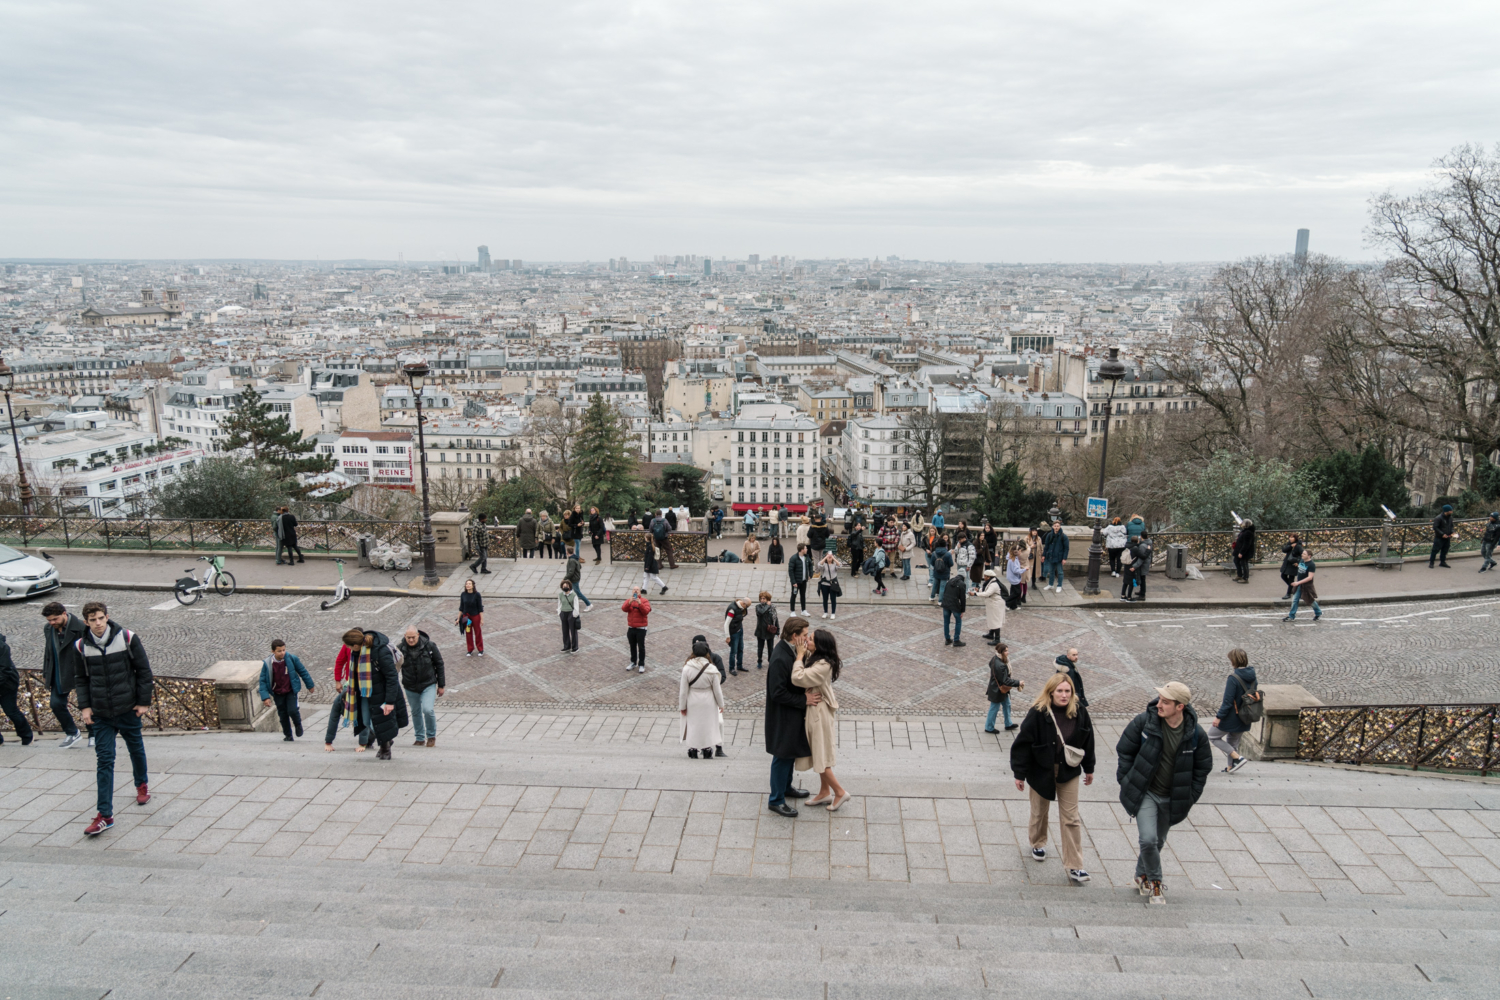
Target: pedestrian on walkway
(547, 531)
(700, 699)
(60, 662)
(941, 567)
(10, 686)
(1000, 686)
(1068, 664)
(526, 529)
(481, 532)
(1442, 537)
(1034, 551)
(750, 522)
(856, 548)
(373, 705)
(1054, 556)
(773, 522)
(573, 573)
(661, 532)
(880, 561)
(786, 716)
(1163, 765)
(285, 526)
(775, 554)
(1303, 588)
(1053, 747)
(471, 618)
(1015, 577)
(652, 576)
(597, 529)
(1243, 551)
(637, 614)
(993, 596)
(799, 571)
(906, 546)
(1291, 554)
(281, 678)
(816, 670)
(423, 679)
(767, 628)
(578, 523)
(829, 588)
(964, 554)
(750, 551)
(1488, 543)
(1137, 562)
(353, 639)
(1115, 538)
(734, 632)
(1134, 527)
(568, 606)
(114, 688)
(804, 527)
(818, 535)
(1241, 698)
(955, 603)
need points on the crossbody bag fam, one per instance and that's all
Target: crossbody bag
(1072, 755)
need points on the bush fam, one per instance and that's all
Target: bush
(220, 488)
(506, 502)
(1007, 502)
(1268, 491)
(679, 486)
(1357, 484)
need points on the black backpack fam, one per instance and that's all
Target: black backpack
(1251, 705)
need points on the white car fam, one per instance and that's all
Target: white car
(22, 575)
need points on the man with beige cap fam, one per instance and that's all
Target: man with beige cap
(1164, 760)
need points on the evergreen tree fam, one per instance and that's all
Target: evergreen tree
(505, 502)
(604, 463)
(270, 437)
(1357, 484)
(220, 487)
(680, 486)
(1006, 500)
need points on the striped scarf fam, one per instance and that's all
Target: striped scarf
(361, 680)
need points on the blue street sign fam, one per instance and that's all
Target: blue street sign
(1098, 507)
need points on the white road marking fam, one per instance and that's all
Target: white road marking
(384, 606)
(1174, 626)
(1216, 626)
(1479, 616)
(297, 602)
(166, 605)
(1440, 619)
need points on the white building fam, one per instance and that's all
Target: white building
(768, 455)
(473, 449)
(202, 403)
(382, 458)
(99, 466)
(615, 385)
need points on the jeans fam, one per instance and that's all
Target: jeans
(291, 546)
(334, 715)
(906, 569)
(764, 644)
(59, 704)
(958, 623)
(830, 599)
(1226, 743)
(16, 716)
(636, 638)
(1052, 573)
(129, 728)
(781, 779)
(1152, 823)
(582, 596)
(995, 709)
(736, 659)
(1487, 552)
(1297, 599)
(799, 589)
(482, 563)
(569, 631)
(1241, 568)
(287, 711)
(423, 705)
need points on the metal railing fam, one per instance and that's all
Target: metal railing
(1358, 541)
(176, 703)
(1442, 737)
(151, 534)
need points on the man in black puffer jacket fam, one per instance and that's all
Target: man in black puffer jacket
(423, 680)
(1164, 760)
(113, 684)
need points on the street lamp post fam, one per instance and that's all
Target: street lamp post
(7, 383)
(416, 374)
(1112, 369)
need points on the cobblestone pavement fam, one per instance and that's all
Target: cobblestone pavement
(615, 793)
(894, 658)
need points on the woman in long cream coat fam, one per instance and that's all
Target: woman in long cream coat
(700, 699)
(994, 606)
(816, 668)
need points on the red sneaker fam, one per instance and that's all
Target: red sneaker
(141, 795)
(99, 825)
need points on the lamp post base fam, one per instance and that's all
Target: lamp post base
(429, 561)
(1096, 557)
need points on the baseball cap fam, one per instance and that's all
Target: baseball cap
(1175, 691)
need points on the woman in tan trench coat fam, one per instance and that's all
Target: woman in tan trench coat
(816, 668)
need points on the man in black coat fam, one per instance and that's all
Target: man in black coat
(1164, 760)
(60, 666)
(10, 686)
(955, 603)
(1068, 664)
(114, 687)
(786, 715)
(799, 570)
(377, 714)
(1442, 537)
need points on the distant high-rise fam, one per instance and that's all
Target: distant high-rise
(708, 266)
(484, 258)
(1302, 235)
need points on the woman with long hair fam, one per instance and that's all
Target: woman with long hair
(1002, 683)
(816, 668)
(471, 616)
(1054, 746)
(1115, 538)
(700, 700)
(1291, 555)
(829, 587)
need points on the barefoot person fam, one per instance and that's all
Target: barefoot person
(815, 669)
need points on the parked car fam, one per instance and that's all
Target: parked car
(22, 575)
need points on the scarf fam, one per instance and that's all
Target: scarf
(361, 681)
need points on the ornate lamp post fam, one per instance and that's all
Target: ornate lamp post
(7, 383)
(1112, 369)
(416, 374)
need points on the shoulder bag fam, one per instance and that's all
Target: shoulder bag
(1073, 755)
(1252, 705)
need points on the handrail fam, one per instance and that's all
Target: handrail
(1443, 737)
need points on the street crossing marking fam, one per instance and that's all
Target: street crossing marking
(166, 605)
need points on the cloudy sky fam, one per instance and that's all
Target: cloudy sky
(995, 130)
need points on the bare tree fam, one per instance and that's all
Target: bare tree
(549, 448)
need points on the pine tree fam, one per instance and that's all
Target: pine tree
(270, 438)
(604, 464)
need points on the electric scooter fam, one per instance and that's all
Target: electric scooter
(341, 592)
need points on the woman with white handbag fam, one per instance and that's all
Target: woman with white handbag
(1054, 746)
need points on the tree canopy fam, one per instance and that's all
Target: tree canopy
(1356, 484)
(604, 461)
(1007, 501)
(505, 502)
(220, 488)
(1268, 491)
(680, 486)
(252, 424)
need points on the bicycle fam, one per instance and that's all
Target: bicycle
(341, 592)
(188, 589)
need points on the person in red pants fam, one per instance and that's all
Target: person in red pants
(470, 614)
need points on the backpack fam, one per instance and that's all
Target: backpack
(1251, 704)
(659, 528)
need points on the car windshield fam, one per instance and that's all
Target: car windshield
(8, 554)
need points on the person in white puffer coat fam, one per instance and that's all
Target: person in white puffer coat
(1115, 540)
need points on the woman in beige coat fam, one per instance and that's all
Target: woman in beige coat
(816, 668)
(994, 606)
(700, 700)
(750, 551)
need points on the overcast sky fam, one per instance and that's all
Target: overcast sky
(996, 131)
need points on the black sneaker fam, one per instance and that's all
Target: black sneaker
(1039, 854)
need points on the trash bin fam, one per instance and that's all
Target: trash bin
(366, 543)
(1177, 560)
